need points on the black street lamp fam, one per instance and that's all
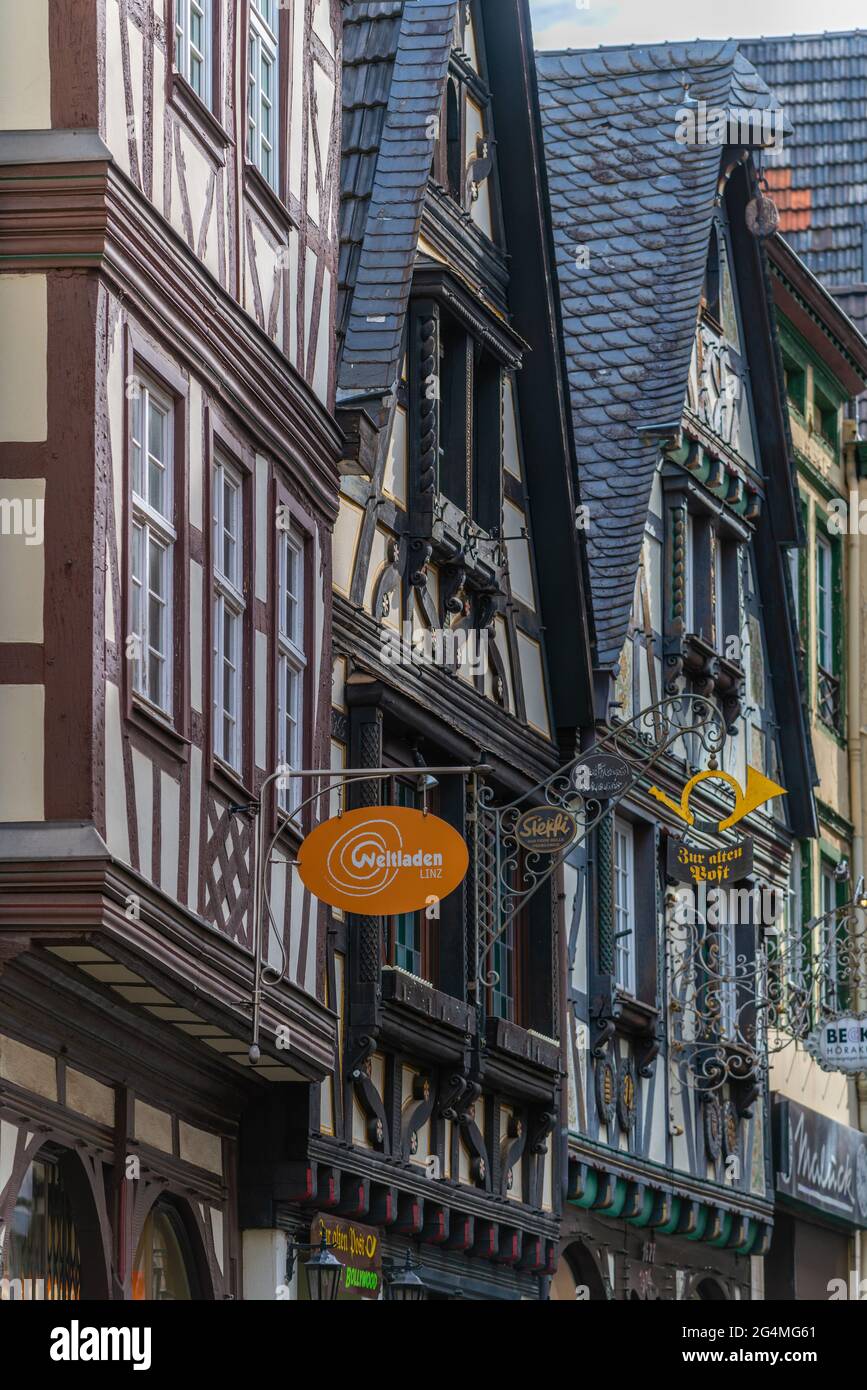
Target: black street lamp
(406, 1287)
(323, 1270)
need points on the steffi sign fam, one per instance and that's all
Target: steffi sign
(383, 859)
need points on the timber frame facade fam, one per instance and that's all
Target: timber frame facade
(166, 296)
(670, 1184)
(456, 518)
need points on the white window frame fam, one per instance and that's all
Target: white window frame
(263, 51)
(152, 532)
(186, 52)
(624, 907)
(824, 604)
(291, 664)
(228, 600)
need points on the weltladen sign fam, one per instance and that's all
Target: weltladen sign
(383, 859)
(821, 1163)
(359, 1250)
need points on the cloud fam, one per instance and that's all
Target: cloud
(561, 24)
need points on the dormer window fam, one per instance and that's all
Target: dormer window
(718, 299)
(710, 293)
(702, 623)
(454, 162)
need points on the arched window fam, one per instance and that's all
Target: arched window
(43, 1253)
(578, 1276)
(164, 1267)
(709, 1291)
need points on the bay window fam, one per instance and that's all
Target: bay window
(194, 45)
(291, 665)
(228, 613)
(262, 88)
(624, 907)
(152, 542)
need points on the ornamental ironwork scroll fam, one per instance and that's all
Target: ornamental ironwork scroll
(731, 1009)
(509, 869)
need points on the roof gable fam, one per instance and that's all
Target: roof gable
(631, 211)
(395, 63)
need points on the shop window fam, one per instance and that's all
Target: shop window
(164, 1268)
(42, 1256)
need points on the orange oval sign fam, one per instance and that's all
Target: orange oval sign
(383, 859)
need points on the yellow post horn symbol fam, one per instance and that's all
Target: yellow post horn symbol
(758, 790)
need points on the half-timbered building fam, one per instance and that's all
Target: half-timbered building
(816, 1108)
(686, 465)
(169, 253)
(460, 641)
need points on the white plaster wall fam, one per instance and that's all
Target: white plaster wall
(24, 358)
(264, 1262)
(22, 721)
(22, 559)
(25, 77)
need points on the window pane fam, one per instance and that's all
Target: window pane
(135, 430)
(155, 669)
(624, 925)
(156, 568)
(43, 1257)
(160, 1270)
(157, 440)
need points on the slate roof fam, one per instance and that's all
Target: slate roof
(395, 61)
(622, 186)
(820, 180)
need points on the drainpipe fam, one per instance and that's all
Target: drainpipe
(855, 743)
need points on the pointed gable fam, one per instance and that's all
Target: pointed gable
(631, 211)
(396, 59)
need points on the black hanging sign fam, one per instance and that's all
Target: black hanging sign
(602, 775)
(689, 864)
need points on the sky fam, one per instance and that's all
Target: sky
(587, 23)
